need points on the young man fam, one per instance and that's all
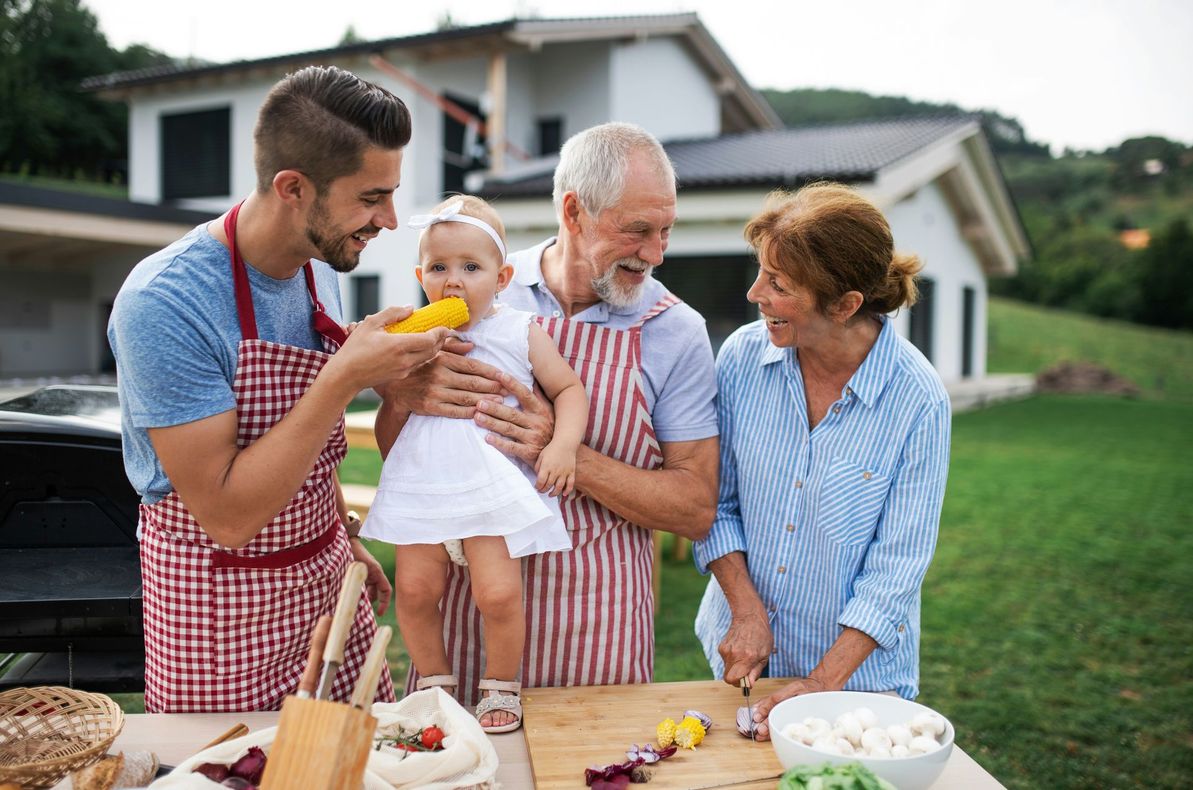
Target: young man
(232, 403)
(649, 458)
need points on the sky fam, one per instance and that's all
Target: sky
(1083, 74)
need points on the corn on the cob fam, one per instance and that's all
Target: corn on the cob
(689, 733)
(451, 312)
(665, 733)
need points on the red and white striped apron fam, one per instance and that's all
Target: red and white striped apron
(228, 629)
(589, 611)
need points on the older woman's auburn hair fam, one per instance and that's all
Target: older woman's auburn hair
(831, 240)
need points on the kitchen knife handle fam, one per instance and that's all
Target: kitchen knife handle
(354, 579)
(366, 684)
(310, 676)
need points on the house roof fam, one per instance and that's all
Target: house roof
(26, 196)
(849, 152)
(41, 224)
(744, 107)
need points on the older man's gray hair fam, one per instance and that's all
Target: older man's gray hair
(593, 164)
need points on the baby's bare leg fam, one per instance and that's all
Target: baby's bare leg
(497, 590)
(420, 577)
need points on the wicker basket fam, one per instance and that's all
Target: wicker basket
(48, 731)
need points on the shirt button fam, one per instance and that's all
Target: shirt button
(799, 483)
(791, 528)
(848, 391)
(836, 410)
(902, 628)
(555, 313)
(774, 651)
(867, 475)
(782, 569)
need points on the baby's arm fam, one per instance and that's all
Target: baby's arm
(556, 465)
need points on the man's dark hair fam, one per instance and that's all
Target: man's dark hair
(320, 120)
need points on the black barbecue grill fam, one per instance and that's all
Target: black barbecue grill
(70, 575)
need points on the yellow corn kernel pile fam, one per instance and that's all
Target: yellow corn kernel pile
(689, 733)
(665, 733)
(451, 312)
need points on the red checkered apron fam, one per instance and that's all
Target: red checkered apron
(228, 629)
(589, 611)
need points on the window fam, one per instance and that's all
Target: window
(920, 332)
(366, 295)
(715, 286)
(968, 309)
(463, 148)
(550, 136)
(196, 154)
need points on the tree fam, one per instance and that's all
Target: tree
(1168, 278)
(50, 125)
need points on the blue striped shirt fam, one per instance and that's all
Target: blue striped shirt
(839, 524)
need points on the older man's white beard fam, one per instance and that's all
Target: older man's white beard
(613, 292)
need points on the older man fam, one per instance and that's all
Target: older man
(649, 459)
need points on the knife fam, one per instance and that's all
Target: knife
(366, 684)
(310, 676)
(745, 692)
(341, 624)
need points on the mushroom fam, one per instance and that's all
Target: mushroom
(850, 727)
(866, 717)
(899, 734)
(876, 738)
(923, 744)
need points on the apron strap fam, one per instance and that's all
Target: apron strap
(320, 320)
(324, 324)
(240, 280)
(668, 300)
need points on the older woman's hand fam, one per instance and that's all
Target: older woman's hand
(792, 689)
(746, 647)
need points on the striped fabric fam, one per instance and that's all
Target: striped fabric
(838, 525)
(589, 611)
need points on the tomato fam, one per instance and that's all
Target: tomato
(432, 737)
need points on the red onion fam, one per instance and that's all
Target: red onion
(251, 766)
(216, 772)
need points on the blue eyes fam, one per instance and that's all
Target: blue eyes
(468, 267)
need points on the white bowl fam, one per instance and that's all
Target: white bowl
(906, 773)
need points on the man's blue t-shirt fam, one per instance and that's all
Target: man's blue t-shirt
(174, 331)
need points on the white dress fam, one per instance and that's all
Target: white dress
(443, 481)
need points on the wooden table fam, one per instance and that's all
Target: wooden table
(566, 730)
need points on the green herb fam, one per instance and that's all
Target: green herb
(851, 776)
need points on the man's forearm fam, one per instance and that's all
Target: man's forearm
(680, 499)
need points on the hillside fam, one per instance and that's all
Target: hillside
(1026, 338)
(1074, 207)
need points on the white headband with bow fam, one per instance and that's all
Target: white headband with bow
(451, 213)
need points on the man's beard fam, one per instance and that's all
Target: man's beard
(613, 292)
(334, 253)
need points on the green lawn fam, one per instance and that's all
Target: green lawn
(1029, 338)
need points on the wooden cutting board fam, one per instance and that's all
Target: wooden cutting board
(570, 729)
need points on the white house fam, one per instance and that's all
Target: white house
(491, 105)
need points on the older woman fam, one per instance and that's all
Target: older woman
(834, 453)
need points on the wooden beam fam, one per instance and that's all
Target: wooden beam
(497, 87)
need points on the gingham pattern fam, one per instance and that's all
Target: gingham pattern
(221, 637)
(589, 611)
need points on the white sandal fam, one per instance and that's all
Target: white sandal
(495, 701)
(440, 681)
